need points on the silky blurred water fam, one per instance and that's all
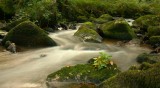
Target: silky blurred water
(29, 69)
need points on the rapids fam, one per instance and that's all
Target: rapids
(29, 69)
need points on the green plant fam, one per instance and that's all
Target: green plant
(102, 61)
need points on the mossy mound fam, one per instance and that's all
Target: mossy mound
(153, 31)
(74, 85)
(89, 25)
(118, 29)
(28, 34)
(154, 40)
(144, 22)
(87, 33)
(143, 66)
(11, 25)
(150, 58)
(83, 73)
(135, 79)
(103, 19)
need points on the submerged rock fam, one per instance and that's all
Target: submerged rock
(87, 33)
(118, 29)
(28, 34)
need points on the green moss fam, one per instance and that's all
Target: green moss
(87, 33)
(103, 19)
(150, 58)
(82, 19)
(13, 24)
(144, 22)
(154, 40)
(82, 73)
(118, 29)
(135, 79)
(145, 66)
(89, 25)
(79, 85)
(28, 34)
(153, 30)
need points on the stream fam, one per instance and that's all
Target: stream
(29, 69)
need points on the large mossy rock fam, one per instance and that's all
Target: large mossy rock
(88, 33)
(135, 79)
(103, 19)
(11, 25)
(83, 73)
(150, 58)
(153, 31)
(28, 34)
(154, 40)
(118, 29)
(144, 22)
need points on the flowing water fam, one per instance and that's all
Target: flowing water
(29, 69)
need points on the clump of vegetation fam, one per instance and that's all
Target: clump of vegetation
(118, 29)
(135, 79)
(28, 34)
(102, 61)
(87, 33)
(43, 12)
(150, 58)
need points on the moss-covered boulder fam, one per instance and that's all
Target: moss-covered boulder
(154, 40)
(88, 33)
(118, 29)
(150, 58)
(28, 34)
(103, 19)
(144, 22)
(135, 79)
(11, 25)
(89, 25)
(82, 73)
(153, 31)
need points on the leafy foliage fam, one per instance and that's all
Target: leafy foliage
(102, 61)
